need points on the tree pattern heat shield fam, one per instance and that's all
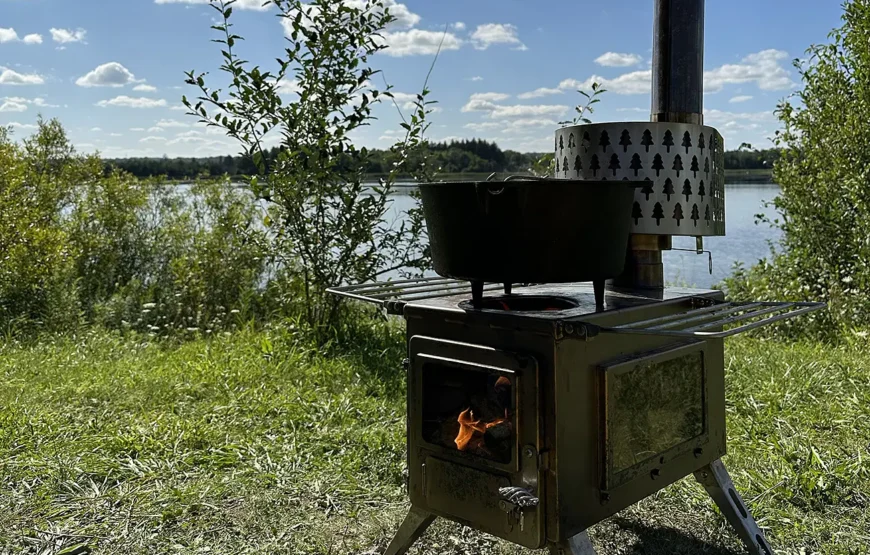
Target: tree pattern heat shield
(679, 164)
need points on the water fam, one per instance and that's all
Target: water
(745, 241)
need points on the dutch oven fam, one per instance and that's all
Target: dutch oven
(528, 230)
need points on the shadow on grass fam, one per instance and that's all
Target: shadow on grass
(660, 541)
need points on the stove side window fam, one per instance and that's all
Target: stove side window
(469, 410)
(653, 407)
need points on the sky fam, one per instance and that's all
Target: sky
(112, 71)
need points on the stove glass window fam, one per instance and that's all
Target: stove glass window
(653, 407)
(469, 410)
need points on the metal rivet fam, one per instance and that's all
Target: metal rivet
(529, 453)
(569, 329)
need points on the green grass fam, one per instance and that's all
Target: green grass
(254, 443)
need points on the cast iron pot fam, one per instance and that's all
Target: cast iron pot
(526, 230)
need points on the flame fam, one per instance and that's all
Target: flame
(468, 426)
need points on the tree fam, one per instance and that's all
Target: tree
(678, 213)
(571, 140)
(578, 165)
(614, 163)
(707, 167)
(558, 167)
(695, 215)
(701, 144)
(586, 142)
(694, 168)
(647, 139)
(604, 141)
(658, 164)
(594, 165)
(565, 167)
(687, 189)
(561, 145)
(687, 141)
(658, 213)
(668, 188)
(701, 190)
(668, 140)
(636, 164)
(647, 188)
(707, 217)
(678, 164)
(625, 140)
(327, 223)
(636, 212)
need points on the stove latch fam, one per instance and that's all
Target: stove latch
(515, 501)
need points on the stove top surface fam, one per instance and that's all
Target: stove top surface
(555, 301)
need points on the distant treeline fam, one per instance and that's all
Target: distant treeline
(466, 156)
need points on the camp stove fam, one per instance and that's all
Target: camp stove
(535, 412)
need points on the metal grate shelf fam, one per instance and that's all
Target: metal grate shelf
(710, 321)
(394, 295)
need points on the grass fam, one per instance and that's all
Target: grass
(254, 443)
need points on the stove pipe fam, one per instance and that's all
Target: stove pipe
(677, 96)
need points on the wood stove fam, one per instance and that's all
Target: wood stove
(536, 416)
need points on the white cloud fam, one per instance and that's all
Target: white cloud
(486, 102)
(537, 93)
(476, 78)
(155, 129)
(12, 106)
(720, 116)
(483, 126)
(131, 102)
(145, 88)
(617, 59)
(64, 36)
(241, 4)
(459, 26)
(635, 82)
(416, 42)
(33, 38)
(16, 125)
(14, 103)
(178, 108)
(639, 110)
(496, 33)
(116, 134)
(137, 129)
(152, 139)
(8, 35)
(762, 68)
(288, 86)
(171, 123)
(95, 129)
(11, 77)
(111, 74)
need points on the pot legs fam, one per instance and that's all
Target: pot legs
(578, 545)
(715, 479)
(410, 531)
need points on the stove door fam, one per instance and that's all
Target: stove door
(473, 434)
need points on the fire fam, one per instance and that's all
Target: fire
(468, 427)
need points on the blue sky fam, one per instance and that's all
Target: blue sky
(112, 70)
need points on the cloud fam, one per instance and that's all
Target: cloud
(11, 106)
(178, 108)
(137, 129)
(14, 102)
(537, 93)
(111, 74)
(616, 59)
(131, 102)
(720, 116)
(241, 4)
(171, 123)
(16, 125)
(639, 110)
(635, 82)
(95, 129)
(288, 86)
(496, 33)
(33, 38)
(740, 98)
(65, 36)
(155, 129)
(145, 88)
(762, 68)
(459, 26)
(8, 35)
(11, 77)
(417, 42)
(152, 139)
(486, 102)
(116, 134)
(483, 126)
(476, 78)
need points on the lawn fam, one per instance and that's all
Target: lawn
(255, 443)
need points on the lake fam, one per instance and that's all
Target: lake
(745, 241)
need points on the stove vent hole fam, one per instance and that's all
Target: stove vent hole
(738, 503)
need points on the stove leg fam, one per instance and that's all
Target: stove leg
(410, 531)
(578, 545)
(715, 479)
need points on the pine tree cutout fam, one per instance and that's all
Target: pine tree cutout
(707, 216)
(594, 165)
(701, 144)
(571, 140)
(694, 167)
(614, 164)
(604, 141)
(669, 140)
(636, 164)
(658, 213)
(678, 213)
(625, 140)
(647, 139)
(586, 142)
(707, 167)
(668, 189)
(578, 165)
(695, 215)
(557, 165)
(636, 212)
(565, 166)
(701, 191)
(561, 145)
(658, 164)
(647, 188)
(687, 141)
(678, 164)
(687, 189)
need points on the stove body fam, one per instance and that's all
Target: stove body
(596, 423)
